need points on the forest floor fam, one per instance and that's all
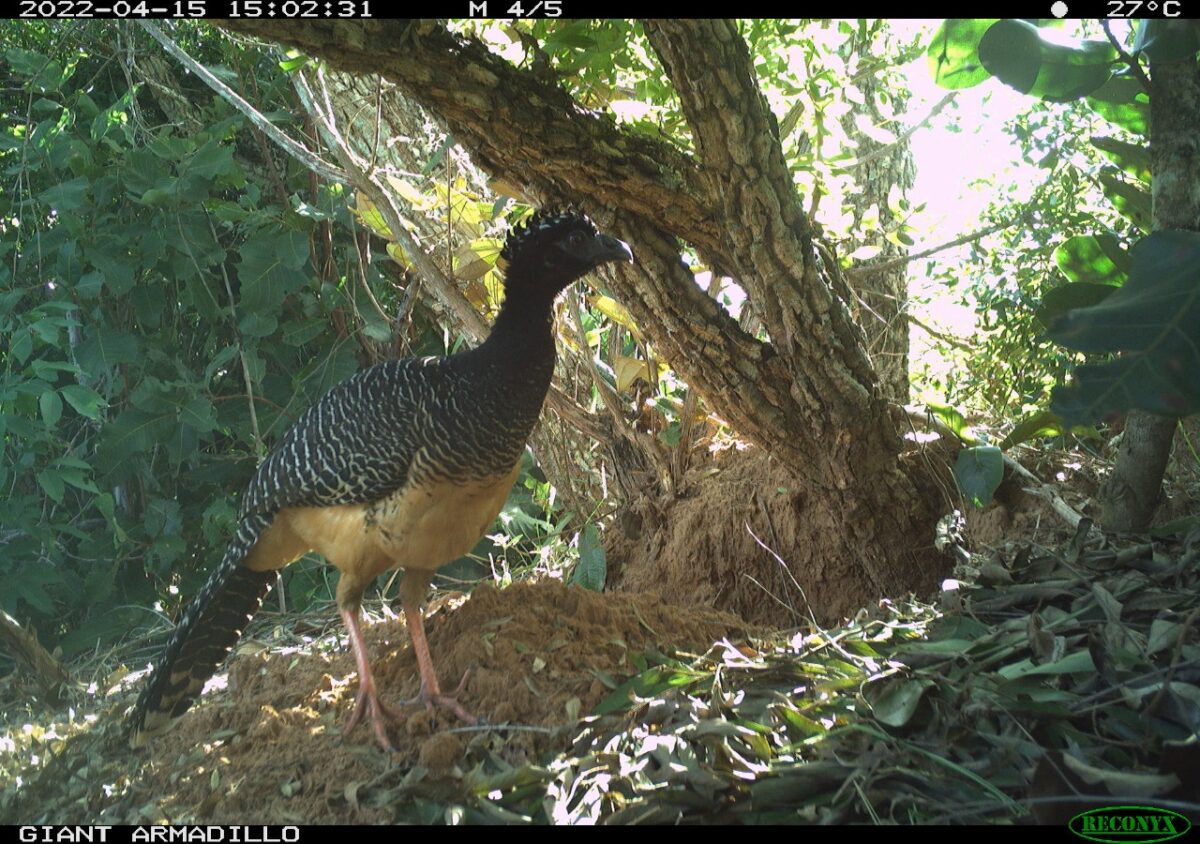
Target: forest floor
(1058, 663)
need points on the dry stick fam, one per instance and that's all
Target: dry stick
(945, 338)
(51, 675)
(858, 272)
(306, 157)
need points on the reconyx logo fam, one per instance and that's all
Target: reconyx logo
(1126, 824)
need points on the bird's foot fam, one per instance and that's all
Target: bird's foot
(433, 698)
(368, 701)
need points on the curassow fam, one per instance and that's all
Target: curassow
(405, 464)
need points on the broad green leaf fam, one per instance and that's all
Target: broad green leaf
(953, 419)
(302, 331)
(895, 701)
(591, 571)
(1165, 40)
(21, 345)
(1079, 294)
(1015, 52)
(67, 196)
(1123, 102)
(43, 74)
(1131, 200)
(200, 414)
(378, 329)
(1043, 423)
(211, 161)
(1154, 320)
(649, 683)
(979, 471)
(51, 481)
(106, 347)
(1133, 159)
(954, 53)
(1094, 258)
(51, 406)
(1079, 662)
(254, 324)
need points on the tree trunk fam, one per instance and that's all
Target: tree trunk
(1130, 495)
(807, 394)
(883, 170)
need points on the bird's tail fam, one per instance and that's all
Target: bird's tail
(206, 632)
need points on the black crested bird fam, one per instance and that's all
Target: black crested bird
(403, 465)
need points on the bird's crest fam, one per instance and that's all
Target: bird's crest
(542, 222)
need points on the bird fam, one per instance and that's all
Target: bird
(405, 464)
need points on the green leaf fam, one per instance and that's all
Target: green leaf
(89, 284)
(649, 683)
(1043, 423)
(1123, 102)
(43, 74)
(1164, 41)
(1079, 662)
(592, 569)
(86, 401)
(1133, 159)
(954, 53)
(67, 196)
(200, 414)
(21, 345)
(1154, 320)
(299, 333)
(1079, 294)
(105, 348)
(267, 269)
(254, 324)
(953, 419)
(51, 481)
(1131, 200)
(378, 329)
(1015, 52)
(211, 161)
(51, 407)
(1094, 258)
(895, 701)
(979, 471)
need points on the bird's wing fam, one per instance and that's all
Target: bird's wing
(356, 445)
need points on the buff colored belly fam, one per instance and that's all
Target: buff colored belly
(418, 527)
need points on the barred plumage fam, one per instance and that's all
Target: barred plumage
(404, 464)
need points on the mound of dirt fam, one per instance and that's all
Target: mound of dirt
(741, 535)
(270, 749)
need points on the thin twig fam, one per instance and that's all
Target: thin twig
(1134, 65)
(305, 156)
(869, 269)
(945, 338)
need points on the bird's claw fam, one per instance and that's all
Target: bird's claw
(435, 699)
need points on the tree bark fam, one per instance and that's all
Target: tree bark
(1131, 493)
(807, 393)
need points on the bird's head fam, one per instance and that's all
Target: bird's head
(554, 248)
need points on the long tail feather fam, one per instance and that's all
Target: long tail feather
(206, 633)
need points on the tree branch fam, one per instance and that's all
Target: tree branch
(518, 126)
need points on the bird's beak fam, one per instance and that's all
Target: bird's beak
(606, 248)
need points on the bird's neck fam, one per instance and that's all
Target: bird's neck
(521, 342)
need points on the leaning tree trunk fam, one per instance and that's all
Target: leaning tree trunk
(807, 394)
(1130, 495)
